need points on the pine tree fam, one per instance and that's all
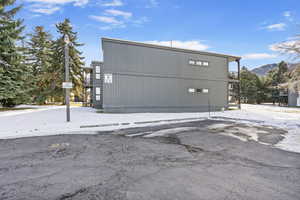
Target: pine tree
(249, 85)
(40, 58)
(13, 71)
(76, 63)
(278, 75)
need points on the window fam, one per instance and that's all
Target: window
(205, 63)
(108, 78)
(198, 62)
(205, 90)
(98, 91)
(97, 69)
(192, 62)
(198, 90)
(98, 98)
(191, 90)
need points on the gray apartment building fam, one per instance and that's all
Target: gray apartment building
(291, 92)
(141, 77)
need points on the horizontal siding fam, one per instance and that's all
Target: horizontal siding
(136, 91)
(135, 59)
(157, 78)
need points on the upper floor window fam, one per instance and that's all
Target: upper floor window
(205, 63)
(204, 90)
(192, 90)
(198, 90)
(97, 69)
(199, 62)
(98, 91)
(192, 62)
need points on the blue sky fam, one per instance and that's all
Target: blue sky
(247, 28)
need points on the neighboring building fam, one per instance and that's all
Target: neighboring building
(140, 77)
(292, 92)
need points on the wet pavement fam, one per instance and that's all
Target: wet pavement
(207, 159)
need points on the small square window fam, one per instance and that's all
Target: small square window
(97, 76)
(192, 62)
(202, 90)
(199, 90)
(97, 69)
(191, 90)
(205, 63)
(98, 98)
(205, 90)
(98, 91)
(199, 63)
(108, 78)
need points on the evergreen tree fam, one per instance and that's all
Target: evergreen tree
(264, 93)
(282, 72)
(249, 88)
(278, 75)
(40, 58)
(76, 63)
(13, 71)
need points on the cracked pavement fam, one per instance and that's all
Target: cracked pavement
(196, 163)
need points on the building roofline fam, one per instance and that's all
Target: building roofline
(230, 57)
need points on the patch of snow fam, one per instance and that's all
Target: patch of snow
(28, 109)
(50, 120)
(241, 133)
(170, 131)
(218, 126)
(268, 115)
(138, 134)
(240, 137)
(291, 142)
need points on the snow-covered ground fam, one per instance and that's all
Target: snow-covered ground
(50, 120)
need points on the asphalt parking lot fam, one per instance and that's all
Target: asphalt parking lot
(195, 160)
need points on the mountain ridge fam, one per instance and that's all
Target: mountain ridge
(264, 69)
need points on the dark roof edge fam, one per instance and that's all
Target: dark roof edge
(231, 57)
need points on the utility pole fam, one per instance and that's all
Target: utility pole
(67, 78)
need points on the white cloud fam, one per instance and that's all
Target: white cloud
(75, 2)
(258, 56)
(152, 4)
(288, 15)
(51, 1)
(113, 3)
(47, 11)
(276, 27)
(280, 47)
(80, 2)
(51, 6)
(105, 19)
(140, 21)
(114, 12)
(191, 44)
